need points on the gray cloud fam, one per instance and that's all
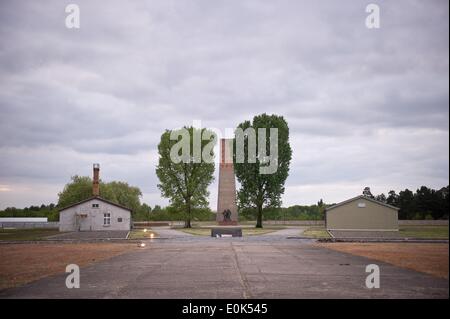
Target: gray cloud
(365, 107)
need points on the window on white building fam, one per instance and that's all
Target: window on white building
(95, 205)
(106, 219)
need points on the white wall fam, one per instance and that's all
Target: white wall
(23, 219)
(68, 220)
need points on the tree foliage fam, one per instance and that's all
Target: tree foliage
(367, 192)
(263, 190)
(425, 203)
(184, 183)
(80, 188)
(50, 211)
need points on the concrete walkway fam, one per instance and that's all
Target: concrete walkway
(167, 232)
(287, 232)
(235, 269)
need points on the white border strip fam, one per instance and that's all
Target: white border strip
(350, 229)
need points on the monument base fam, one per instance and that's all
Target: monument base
(228, 223)
(226, 232)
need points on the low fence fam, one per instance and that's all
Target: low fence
(291, 223)
(181, 223)
(322, 223)
(295, 222)
(423, 222)
(150, 224)
(29, 225)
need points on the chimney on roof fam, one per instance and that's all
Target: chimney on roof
(95, 181)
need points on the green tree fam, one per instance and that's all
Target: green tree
(443, 198)
(392, 198)
(185, 180)
(124, 194)
(407, 205)
(262, 190)
(321, 208)
(147, 209)
(80, 188)
(367, 192)
(381, 198)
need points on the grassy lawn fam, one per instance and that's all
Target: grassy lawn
(423, 232)
(426, 232)
(27, 233)
(141, 234)
(316, 232)
(245, 231)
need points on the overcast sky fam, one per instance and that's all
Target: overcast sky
(365, 107)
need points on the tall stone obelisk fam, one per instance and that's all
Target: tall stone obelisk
(227, 213)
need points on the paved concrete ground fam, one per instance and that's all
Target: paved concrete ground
(167, 232)
(235, 268)
(287, 232)
(105, 234)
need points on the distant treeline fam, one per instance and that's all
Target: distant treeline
(49, 211)
(296, 212)
(424, 203)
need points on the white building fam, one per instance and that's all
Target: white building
(94, 213)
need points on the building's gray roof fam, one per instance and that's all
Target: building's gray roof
(97, 198)
(362, 197)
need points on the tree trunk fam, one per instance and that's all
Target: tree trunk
(188, 219)
(259, 217)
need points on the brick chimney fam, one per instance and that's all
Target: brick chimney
(95, 181)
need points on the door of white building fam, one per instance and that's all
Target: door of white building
(85, 222)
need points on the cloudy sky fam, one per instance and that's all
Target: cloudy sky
(366, 107)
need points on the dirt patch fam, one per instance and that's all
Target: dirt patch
(22, 263)
(428, 258)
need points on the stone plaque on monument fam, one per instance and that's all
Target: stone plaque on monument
(226, 201)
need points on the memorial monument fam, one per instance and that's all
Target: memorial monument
(227, 213)
(226, 200)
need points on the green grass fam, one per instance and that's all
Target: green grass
(259, 231)
(316, 232)
(204, 231)
(26, 234)
(141, 234)
(425, 232)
